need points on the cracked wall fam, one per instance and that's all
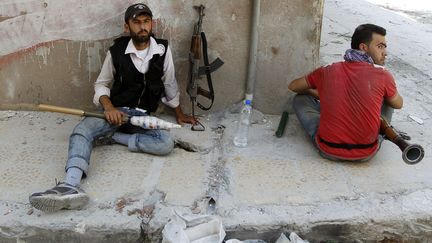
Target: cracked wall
(51, 51)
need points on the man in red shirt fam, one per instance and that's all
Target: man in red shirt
(339, 105)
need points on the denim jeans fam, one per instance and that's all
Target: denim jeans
(158, 142)
(307, 109)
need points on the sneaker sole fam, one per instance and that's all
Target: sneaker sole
(50, 203)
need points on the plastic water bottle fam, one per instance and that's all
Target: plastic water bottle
(241, 136)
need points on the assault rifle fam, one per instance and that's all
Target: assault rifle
(195, 70)
(411, 153)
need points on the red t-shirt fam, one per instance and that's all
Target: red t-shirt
(351, 96)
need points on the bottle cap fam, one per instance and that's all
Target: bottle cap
(248, 102)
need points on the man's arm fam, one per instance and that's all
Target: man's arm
(112, 114)
(104, 80)
(172, 94)
(102, 92)
(301, 86)
(395, 102)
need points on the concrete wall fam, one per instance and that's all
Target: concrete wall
(51, 51)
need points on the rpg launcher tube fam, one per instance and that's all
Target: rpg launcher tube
(151, 122)
(411, 153)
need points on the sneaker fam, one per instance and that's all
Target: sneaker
(62, 196)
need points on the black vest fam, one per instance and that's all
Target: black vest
(132, 88)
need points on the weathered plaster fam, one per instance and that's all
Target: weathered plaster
(52, 51)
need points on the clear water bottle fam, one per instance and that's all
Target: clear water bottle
(241, 136)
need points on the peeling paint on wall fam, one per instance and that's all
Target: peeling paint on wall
(10, 89)
(32, 22)
(4, 60)
(94, 59)
(48, 45)
(43, 52)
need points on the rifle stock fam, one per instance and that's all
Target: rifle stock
(411, 153)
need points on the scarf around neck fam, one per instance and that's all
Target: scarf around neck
(353, 55)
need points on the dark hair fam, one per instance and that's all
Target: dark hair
(363, 34)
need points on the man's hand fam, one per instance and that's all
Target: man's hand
(182, 118)
(112, 114)
(312, 92)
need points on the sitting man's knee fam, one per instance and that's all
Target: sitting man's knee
(82, 132)
(300, 98)
(298, 101)
(167, 146)
(87, 127)
(161, 143)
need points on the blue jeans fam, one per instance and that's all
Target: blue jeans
(307, 109)
(158, 142)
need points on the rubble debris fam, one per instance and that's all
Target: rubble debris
(293, 238)
(120, 204)
(59, 121)
(190, 229)
(6, 115)
(195, 208)
(416, 119)
(123, 202)
(30, 211)
(134, 211)
(186, 146)
(105, 206)
(145, 212)
(148, 210)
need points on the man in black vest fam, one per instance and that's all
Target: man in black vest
(138, 72)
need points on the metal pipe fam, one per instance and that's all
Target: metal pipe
(250, 86)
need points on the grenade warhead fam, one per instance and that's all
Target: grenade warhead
(151, 122)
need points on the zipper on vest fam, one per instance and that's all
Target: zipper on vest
(144, 88)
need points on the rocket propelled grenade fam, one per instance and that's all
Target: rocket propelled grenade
(151, 122)
(144, 121)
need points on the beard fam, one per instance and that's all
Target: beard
(137, 38)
